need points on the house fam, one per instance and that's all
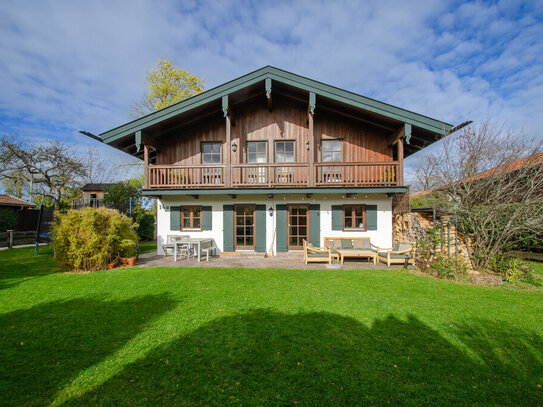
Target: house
(267, 160)
(22, 210)
(92, 196)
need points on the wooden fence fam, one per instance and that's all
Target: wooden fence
(14, 238)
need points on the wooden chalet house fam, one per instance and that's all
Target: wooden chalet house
(271, 158)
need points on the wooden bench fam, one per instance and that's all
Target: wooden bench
(348, 246)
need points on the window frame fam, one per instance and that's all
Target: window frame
(202, 143)
(342, 149)
(353, 207)
(293, 150)
(192, 217)
(265, 142)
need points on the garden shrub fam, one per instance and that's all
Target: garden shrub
(8, 219)
(437, 264)
(513, 269)
(146, 226)
(89, 239)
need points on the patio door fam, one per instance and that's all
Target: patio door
(244, 231)
(298, 226)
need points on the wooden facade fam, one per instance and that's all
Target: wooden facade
(365, 158)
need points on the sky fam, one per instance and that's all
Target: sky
(77, 65)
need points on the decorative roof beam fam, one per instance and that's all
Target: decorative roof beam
(227, 109)
(312, 103)
(268, 87)
(404, 131)
(140, 139)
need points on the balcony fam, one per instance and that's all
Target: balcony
(293, 175)
(80, 203)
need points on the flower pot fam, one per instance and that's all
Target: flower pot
(131, 261)
(124, 261)
(112, 265)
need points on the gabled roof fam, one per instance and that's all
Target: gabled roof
(7, 200)
(94, 187)
(427, 124)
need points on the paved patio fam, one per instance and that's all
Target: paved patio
(256, 260)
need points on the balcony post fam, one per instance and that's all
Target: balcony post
(146, 166)
(399, 179)
(311, 138)
(228, 145)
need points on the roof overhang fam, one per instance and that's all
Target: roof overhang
(425, 130)
(274, 191)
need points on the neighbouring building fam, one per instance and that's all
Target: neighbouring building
(92, 196)
(271, 158)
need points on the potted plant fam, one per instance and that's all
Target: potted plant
(128, 253)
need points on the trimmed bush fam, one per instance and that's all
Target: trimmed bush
(89, 239)
(146, 226)
(8, 219)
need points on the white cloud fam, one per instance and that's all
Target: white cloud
(71, 65)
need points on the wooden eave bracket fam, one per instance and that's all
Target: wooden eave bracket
(268, 87)
(145, 139)
(312, 103)
(404, 131)
(227, 110)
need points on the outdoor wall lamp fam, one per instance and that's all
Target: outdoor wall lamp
(307, 146)
(270, 211)
(234, 147)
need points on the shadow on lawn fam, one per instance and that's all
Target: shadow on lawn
(269, 358)
(44, 347)
(18, 265)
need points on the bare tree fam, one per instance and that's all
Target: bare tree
(97, 170)
(426, 173)
(493, 181)
(52, 165)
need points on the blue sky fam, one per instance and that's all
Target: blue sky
(79, 65)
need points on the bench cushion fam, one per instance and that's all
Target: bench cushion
(346, 244)
(362, 244)
(314, 255)
(333, 245)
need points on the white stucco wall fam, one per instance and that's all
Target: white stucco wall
(381, 237)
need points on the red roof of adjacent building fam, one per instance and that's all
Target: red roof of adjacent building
(6, 200)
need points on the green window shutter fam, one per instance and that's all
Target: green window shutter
(371, 217)
(281, 227)
(206, 218)
(228, 228)
(315, 224)
(175, 218)
(337, 217)
(260, 228)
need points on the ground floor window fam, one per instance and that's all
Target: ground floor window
(191, 217)
(354, 217)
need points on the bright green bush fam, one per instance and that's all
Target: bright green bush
(513, 269)
(8, 219)
(146, 226)
(88, 239)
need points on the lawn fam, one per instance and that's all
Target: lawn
(262, 337)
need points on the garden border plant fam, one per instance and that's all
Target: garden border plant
(90, 239)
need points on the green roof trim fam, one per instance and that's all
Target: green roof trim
(268, 74)
(261, 191)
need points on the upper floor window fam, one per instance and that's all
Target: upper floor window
(284, 151)
(211, 153)
(332, 150)
(257, 152)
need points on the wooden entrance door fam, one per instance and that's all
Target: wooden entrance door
(298, 226)
(244, 230)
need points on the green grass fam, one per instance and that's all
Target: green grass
(145, 247)
(252, 337)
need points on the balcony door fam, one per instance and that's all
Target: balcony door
(298, 226)
(244, 231)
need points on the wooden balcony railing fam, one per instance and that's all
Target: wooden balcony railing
(358, 174)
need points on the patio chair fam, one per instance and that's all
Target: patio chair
(401, 253)
(316, 254)
(169, 246)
